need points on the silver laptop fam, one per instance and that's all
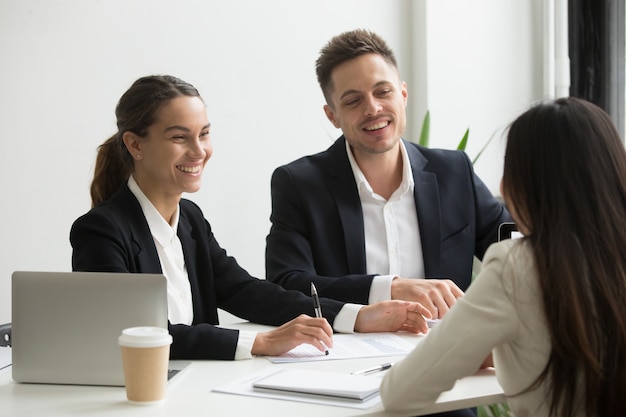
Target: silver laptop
(65, 325)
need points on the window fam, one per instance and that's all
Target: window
(596, 48)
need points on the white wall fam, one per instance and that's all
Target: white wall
(64, 64)
(484, 65)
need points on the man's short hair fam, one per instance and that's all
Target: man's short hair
(347, 46)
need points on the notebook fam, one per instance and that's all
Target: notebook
(322, 383)
(65, 325)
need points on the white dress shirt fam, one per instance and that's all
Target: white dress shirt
(392, 240)
(170, 251)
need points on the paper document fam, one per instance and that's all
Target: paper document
(431, 322)
(244, 386)
(350, 346)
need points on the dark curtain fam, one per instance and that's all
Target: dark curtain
(596, 49)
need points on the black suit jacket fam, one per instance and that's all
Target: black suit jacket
(317, 231)
(115, 237)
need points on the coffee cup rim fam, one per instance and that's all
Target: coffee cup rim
(144, 337)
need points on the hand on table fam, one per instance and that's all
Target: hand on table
(488, 362)
(437, 295)
(392, 316)
(302, 329)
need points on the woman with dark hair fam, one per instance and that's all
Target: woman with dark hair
(550, 306)
(140, 224)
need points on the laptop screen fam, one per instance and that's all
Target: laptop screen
(66, 324)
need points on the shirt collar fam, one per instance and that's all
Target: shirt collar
(407, 184)
(161, 230)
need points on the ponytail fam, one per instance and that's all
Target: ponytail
(113, 167)
(135, 112)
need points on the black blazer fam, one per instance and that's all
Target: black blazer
(317, 222)
(115, 237)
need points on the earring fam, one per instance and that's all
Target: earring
(138, 156)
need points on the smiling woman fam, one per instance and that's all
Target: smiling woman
(136, 112)
(172, 153)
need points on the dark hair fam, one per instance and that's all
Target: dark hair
(565, 175)
(345, 47)
(136, 110)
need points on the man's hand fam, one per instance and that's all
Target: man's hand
(437, 295)
(392, 316)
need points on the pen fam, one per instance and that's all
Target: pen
(316, 304)
(378, 368)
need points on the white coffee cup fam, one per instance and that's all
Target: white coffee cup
(145, 358)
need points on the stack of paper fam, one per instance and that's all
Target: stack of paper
(350, 346)
(310, 382)
(322, 383)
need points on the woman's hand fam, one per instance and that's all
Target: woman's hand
(392, 316)
(488, 362)
(302, 329)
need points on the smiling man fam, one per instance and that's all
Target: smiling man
(375, 217)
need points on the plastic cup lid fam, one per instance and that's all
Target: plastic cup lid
(144, 337)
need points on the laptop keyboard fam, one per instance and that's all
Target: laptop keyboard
(171, 373)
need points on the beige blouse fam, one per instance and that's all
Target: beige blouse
(502, 313)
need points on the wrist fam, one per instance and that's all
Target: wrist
(394, 288)
(258, 346)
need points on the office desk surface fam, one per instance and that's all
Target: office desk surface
(189, 394)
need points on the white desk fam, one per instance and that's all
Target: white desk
(189, 394)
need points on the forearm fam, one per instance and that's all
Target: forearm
(348, 288)
(203, 341)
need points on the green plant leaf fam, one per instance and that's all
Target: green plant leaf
(463, 142)
(484, 147)
(425, 133)
(495, 410)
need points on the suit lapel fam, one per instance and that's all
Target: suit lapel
(343, 189)
(426, 194)
(144, 249)
(190, 248)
